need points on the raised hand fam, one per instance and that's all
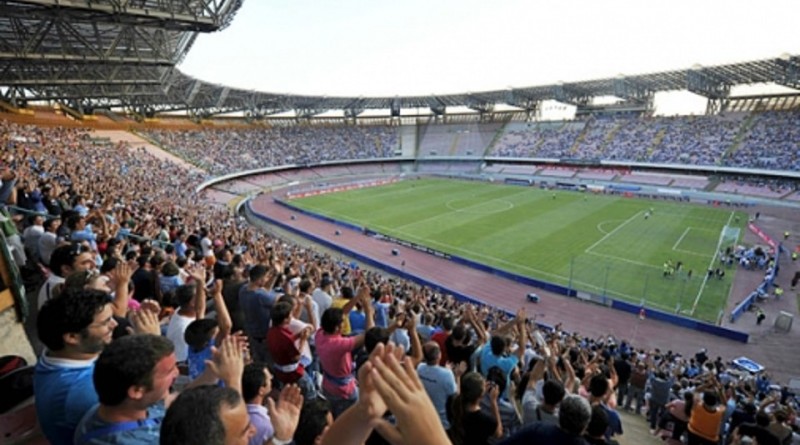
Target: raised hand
(121, 274)
(198, 272)
(145, 322)
(285, 415)
(227, 362)
(402, 392)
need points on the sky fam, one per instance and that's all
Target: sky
(417, 47)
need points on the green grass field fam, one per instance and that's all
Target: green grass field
(594, 243)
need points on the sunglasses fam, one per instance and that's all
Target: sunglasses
(77, 249)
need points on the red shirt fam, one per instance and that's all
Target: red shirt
(280, 342)
(441, 338)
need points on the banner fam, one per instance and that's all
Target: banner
(767, 239)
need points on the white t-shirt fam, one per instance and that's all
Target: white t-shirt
(323, 300)
(46, 291)
(207, 247)
(47, 243)
(305, 352)
(175, 330)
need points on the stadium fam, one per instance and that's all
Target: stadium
(569, 222)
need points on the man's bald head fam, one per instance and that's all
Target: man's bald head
(431, 352)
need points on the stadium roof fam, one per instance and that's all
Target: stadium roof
(118, 53)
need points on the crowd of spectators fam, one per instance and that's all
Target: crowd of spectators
(695, 140)
(222, 151)
(166, 320)
(771, 142)
(541, 140)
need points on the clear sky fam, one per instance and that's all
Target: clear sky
(419, 47)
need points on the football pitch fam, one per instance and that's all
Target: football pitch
(599, 244)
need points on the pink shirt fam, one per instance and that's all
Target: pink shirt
(336, 359)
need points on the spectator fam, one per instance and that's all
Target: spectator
(286, 353)
(191, 300)
(659, 397)
(64, 261)
(49, 240)
(74, 327)
(336, 356)
(468, 424)
(458, 344)
(552, 394)
(132, 378)
(256, 303)
(323, 294)
(705, 420)
(441, 383)
(598, 425)
(574, 416)
(494, 353)
(207, 414)
(509, 416)
(678, 412)
(599, 389)
(315, 419)
(256, 387)
(203, 335)
(759, 431)
(636, 388)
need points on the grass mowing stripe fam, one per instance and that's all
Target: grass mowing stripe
(710, 266)
(675, 246)
(527, 231)
(607, 235)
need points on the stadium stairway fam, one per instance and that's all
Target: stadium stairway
(574, 148)
(610, 137)
(112, 116)
(497, 136)
(137, 141)
(744, 129)
(636, 429)
(454, 145)
(656, 141)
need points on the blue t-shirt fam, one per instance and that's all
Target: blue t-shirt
(506, 363)
(257, 308)
(382, 315)
(439, 383)
(64, 393)
(614, 422)
(358, 322)
(95, 431)
(196, 360)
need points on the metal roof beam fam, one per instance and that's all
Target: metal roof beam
(519, 99)
(212, 15)
(571, 95)
(84, 58)
(631, 90)
(703, 82)
(788, 72)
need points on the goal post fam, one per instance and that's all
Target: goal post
(728, 237)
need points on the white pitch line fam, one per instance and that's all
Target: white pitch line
(689, 252)
(451, 210)
(710, 265)
(675, 246)
(608, 235)
(616, 258)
